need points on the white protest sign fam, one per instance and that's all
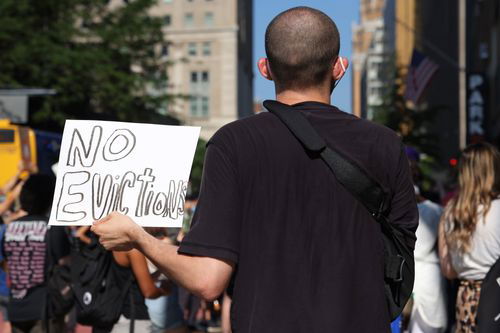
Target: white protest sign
(140, 170)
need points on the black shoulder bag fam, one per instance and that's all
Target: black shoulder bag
(399, 270)
(488, 311)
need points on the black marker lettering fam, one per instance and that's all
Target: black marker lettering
(101, 195)
(70, 181)
(145, 179)
(77, 148)
(110, 154)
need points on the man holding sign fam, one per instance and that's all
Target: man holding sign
(304, 254)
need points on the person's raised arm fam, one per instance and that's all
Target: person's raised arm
(203, 276)
(11, 197)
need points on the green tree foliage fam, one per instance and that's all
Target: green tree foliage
(100, 60)
(411, 123)
(197, 169)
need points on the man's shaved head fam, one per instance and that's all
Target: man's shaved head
(302, 44)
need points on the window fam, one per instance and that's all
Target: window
(376, 91)
(204, 106)
(167, 20)
(191, 49)
(188, 19)
(7, 136)
(200, 94)
(193, 106)
(207, 48)
(204, 77)
(209, 19)
(194, 77)
(164, 50)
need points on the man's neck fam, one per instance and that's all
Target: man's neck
(291, 97)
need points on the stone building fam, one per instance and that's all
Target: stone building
(368, 58)
(383, 40)
(210, 46)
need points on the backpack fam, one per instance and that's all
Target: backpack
(488, 311)
(60, 294)
(399, 263)
(99, 293)
(60, 297)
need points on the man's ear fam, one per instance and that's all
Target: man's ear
(263, 65)
(339, 68)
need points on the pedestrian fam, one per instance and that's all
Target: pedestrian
(469, 241)
(142, 287)
(4, 289)
(165, 311)
(27, 244)
(429, 293)
(304, 255)
(428, 306)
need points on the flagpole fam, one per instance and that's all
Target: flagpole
(462, 77)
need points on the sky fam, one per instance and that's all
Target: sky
(343, 12)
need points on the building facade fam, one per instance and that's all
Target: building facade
(432, 28)
(383, 42)
(439, 33)
(483, 71)
(368, 57)
(210, 48)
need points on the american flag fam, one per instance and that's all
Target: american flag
(419, 74)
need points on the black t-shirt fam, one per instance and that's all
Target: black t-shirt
(25, 247)
(309, 256)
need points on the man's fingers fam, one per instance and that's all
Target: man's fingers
(101, 221)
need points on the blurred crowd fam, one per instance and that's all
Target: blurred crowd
(38, 259)
(458, 241)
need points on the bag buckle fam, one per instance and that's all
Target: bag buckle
(402, 261)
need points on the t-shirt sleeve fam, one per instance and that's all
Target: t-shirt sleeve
(215, 227)
(404, 211)
(60, 245)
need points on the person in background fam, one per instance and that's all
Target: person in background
(429, 292)
(25, 247)
(4, 289)
(9, 200)
(143, 287)
(193, 306)
(226, 314)
(469, 232)
(11, 190)
(24, 170)
(165, 312)
(428, 313)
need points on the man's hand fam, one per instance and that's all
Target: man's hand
(117, 232)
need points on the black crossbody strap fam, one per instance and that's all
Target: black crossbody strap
(352, 177)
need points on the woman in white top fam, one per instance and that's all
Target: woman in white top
(429, 296)
(469, 235)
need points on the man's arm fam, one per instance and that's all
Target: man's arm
(203, 276)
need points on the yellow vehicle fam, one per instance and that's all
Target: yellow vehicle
(17, 147)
